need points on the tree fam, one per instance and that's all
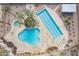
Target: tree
(30, 22)
(7, 10)
(29, 18)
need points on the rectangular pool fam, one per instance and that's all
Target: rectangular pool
(49, 23)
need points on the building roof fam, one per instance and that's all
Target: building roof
(68, 7)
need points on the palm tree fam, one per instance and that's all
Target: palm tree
(26, 13)
(30, 22)
(29, 18)
(7, 10)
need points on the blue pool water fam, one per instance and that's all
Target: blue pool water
(30, 36)
(49, 23)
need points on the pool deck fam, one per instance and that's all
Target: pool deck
(46, 39)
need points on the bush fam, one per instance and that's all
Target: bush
(30, 22)
(29, 18)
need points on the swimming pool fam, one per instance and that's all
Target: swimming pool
(15, 24)
(30, 36)
(49, 23)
